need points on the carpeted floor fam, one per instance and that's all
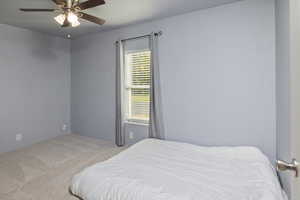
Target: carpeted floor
(43, 171)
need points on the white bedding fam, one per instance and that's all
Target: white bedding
(161, 170)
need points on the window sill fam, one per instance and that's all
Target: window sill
(136, 123)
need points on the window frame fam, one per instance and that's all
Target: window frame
(127, 89)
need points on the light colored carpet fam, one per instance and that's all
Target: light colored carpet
(43, 171)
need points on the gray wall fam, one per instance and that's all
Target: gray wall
(34, 86)
(217, 71)
(283, 87)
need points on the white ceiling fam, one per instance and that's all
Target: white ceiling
(117, 13)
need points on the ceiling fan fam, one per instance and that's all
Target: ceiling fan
(70, 12)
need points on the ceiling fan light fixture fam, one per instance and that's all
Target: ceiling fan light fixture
(60, 19)
(73, 19)
(75, 24)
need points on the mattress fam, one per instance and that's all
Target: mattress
(162, 170)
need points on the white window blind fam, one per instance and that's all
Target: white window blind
(137, 86)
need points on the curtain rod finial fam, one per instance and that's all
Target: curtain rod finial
(158, 33)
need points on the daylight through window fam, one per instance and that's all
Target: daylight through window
(137, 86)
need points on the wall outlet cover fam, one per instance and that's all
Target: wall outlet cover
(131, 135)
(64, 128)
(19, 137)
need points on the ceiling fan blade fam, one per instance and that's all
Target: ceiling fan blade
(59, 2)
(90, 4)
(36, 10)
(91, 18)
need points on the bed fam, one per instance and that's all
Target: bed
(162, 170)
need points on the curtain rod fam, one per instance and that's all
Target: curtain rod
(142, 36)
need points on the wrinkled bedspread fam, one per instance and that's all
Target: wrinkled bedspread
(161, 170)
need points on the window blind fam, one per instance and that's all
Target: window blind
(138, 77)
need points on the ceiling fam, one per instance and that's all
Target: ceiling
(117, 13)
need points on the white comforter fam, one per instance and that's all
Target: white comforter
(161, 170)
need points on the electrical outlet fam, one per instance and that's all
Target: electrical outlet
(131, 135)
(64, 128)
(19, 137)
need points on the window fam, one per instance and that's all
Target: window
(137, 86)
